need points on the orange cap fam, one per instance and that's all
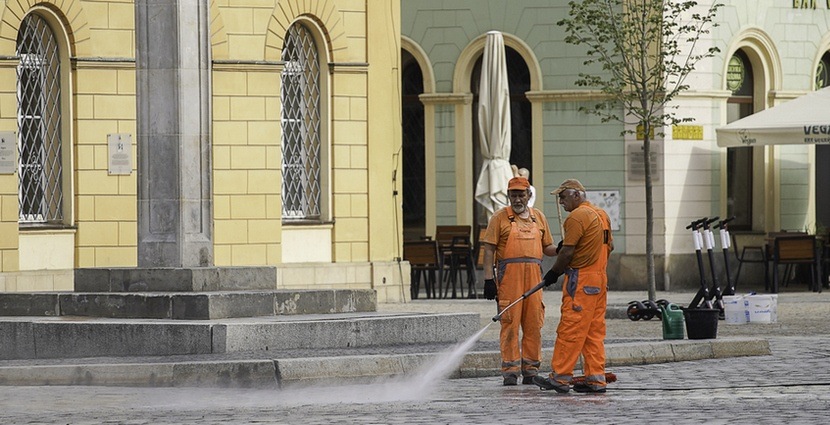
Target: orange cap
(518, 183)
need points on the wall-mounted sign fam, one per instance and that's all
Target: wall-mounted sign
(687, 132)
(637, 161)
(641, 133)
(120, 153)
(610, 201)
(735, 74)
(8, 152)
(809, 4)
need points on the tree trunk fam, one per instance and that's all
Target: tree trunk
(652, 282)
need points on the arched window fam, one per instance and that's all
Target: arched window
(300, 121)
(823, 72)
(740, 81)
(40, 187)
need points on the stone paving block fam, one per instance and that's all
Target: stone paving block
(137, 279)
(632, 353)
(338, 368)
(302, 302)
(249, 278)
(411, 363)
(221, 374)
(692, 350)
(477, 365)
(740, 348)
(16, 340)
(96, 339)
(355, 332)
(125, 305)
(29, 304)
(134, 375)
(221, 305)
(355, 300)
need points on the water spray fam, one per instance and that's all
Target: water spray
(541, 285)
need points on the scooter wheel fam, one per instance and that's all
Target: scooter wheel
(633, 312)
(663, 303)
(648, 315)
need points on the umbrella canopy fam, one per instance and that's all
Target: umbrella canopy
(494, 126)
(803, 120)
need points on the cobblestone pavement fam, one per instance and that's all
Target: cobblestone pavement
(791, 386)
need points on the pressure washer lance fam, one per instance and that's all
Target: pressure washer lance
(609, 377)
(530, 292)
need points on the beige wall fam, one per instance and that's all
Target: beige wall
(362, 50)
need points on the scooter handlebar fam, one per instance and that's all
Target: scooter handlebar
(695, 224)
(723, 223)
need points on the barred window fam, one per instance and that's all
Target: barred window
(40, 190)
(300, 121)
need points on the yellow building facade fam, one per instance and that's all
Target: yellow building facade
(69, 203)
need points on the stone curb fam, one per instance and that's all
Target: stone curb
(286, 372)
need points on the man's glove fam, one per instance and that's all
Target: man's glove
(559, 246)
(551, 277)
(490, 289)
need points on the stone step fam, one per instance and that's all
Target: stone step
(187, 305)
(274, 369)
(74, 337)
(167, 279)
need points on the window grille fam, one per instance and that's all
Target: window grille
(300, 121)
(40, 189)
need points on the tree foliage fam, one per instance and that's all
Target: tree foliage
(641, 52)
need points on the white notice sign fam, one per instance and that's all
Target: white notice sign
(120, 157)
(8, 152)
(610, 201)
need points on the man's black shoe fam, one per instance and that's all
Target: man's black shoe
(510, 380)
(527, 380)
(585, 388)
(546, 383)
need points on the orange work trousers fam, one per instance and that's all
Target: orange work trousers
(582, 326)
(529, 315)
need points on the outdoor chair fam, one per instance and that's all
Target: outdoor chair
(456, 255)
(749, 248)
(795, 249)
(425, 261)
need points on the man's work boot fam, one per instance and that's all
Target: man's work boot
(547, 383)
(588, 388)
(510, 380)
(527, 379)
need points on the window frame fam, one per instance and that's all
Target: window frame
(318, 131)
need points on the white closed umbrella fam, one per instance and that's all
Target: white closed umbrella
(494, 126)
(804, 120)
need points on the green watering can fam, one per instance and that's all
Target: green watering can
(672, 316)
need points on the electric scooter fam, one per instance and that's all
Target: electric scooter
(715, 291)
(726, 243)
(646, 309)
(703, 298)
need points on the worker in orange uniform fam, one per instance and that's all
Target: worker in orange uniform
(583, 258)
(515, 240)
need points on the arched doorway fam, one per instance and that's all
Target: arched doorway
(823, 155)
(739, 161)
(412, 121)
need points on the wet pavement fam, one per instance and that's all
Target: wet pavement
(790, 386)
